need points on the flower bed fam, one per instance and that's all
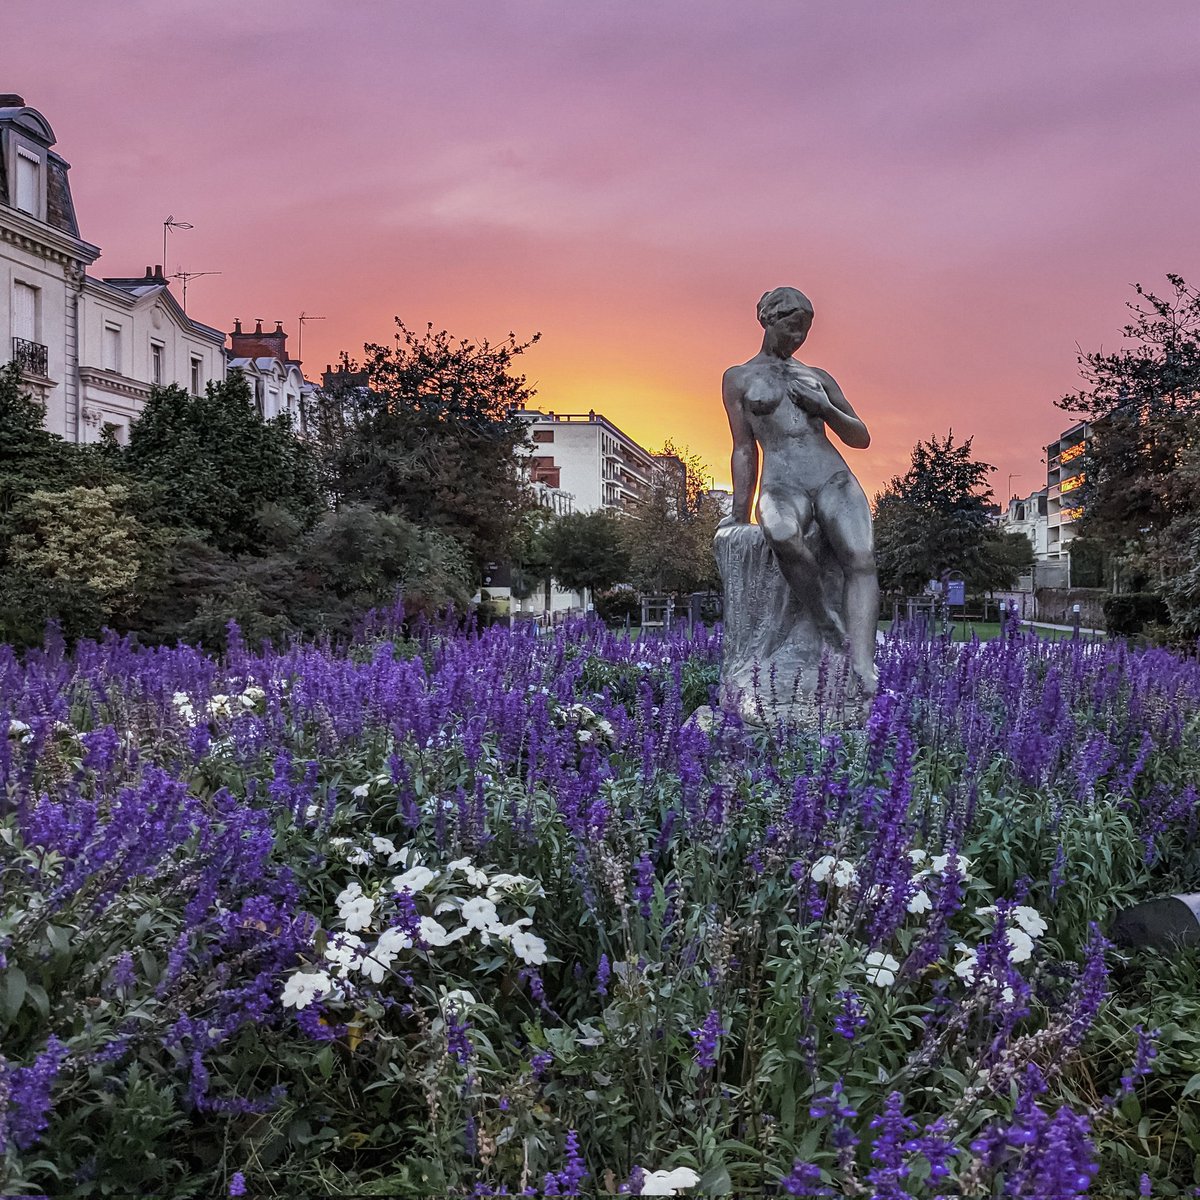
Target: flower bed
(477, 914)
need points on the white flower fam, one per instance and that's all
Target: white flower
(357, 913)
(500, 885)
(382, 845)
(393, 940)
(219, 706)
(351, 891)
(1030, 920)
(360, 792)
(303, 988)
(433, 933)
(528, 947)
(344, 951)
(920, 903)
(938, 865)
(668, 1183)
(881, 968)
(339, 841)
(845, 874)
(917, 856)
(475, 877)
(358, 857)
(479, 913)
(414, 880)
(822, 867)
(965, 967)
(504, 932)
(1020, 945)
(251, 696)
(374, 963)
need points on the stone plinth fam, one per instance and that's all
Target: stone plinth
(770, 637)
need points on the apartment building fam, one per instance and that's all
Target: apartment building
(1064, 479)
(587, 457)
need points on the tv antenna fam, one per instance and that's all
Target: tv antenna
(185, 276)
(300, 339)
(169, 224)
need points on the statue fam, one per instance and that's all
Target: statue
(801, 583)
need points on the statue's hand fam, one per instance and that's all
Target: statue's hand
(813, 403)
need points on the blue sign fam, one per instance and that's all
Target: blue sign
(956, 593)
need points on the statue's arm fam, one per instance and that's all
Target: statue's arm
(841, 418)
(744, 463)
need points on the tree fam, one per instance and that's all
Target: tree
(669, 538)
(437, 438)
(1143, 406)
(1003, 558)
(74, 556)
(587, 551)
(935, 517)
(211, 464)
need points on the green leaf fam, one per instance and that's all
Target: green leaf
(15, 986)
(715, 1182)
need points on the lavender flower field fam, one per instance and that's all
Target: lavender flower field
(485, 914)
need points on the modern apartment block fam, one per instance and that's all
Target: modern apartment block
(1064, 479)
(586, 456)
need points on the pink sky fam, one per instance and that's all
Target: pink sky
(965, 191)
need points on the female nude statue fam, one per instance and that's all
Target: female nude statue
(783, 406)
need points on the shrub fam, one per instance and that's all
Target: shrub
(1128, 615)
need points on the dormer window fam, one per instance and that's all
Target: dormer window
(29, 182)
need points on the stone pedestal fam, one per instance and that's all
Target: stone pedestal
(773, 647)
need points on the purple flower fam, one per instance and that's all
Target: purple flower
(237, 1184)
(707, 1039)
(643, 888)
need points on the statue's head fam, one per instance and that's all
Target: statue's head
(785, 304)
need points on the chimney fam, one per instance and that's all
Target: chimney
(149, 272)
(258, 344)
(11, 100)
(159, 277)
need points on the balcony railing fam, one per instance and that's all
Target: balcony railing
(31, 357)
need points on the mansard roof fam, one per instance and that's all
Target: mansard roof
(16, 115)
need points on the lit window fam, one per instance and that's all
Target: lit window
(156, 363)
(29, 182)
(197, 376)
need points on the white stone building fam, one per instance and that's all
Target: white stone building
(1027, 515)
(43, 261)
(276, 382)
(134, 336)
(89, 349)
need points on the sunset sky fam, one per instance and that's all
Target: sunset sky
(965, 191)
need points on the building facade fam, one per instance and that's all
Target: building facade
(89, 349)
(586, 456)
(135, 336)
(43, 263)
(276, 381)
(1028, 515)
(1064, 479)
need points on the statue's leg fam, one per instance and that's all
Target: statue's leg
(845, 516)
(784, 521)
